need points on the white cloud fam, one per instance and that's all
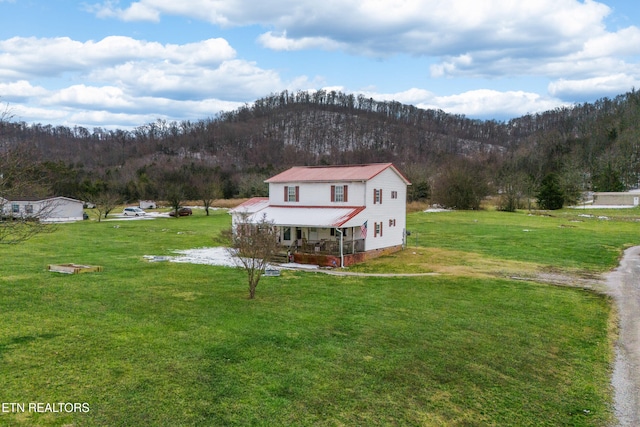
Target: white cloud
(20, 90)
(281, 42)
(88, 97)
(466, 38)
(50, 56)
(623, 42)
(490, 103)
(483, 103)
(198, 70)
(121, 76)
(429, 27)
(109, 107)
(592, 88)
(232, 79)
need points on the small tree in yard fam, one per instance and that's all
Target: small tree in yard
(174, 194)
(105, 201)
(253, 245)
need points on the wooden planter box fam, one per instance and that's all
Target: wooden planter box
(74, 268)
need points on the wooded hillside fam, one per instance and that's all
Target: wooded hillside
(594, 146)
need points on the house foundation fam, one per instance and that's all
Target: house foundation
(325, 260)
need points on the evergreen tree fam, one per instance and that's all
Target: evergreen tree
(550, 194)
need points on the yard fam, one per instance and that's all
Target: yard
(144, 343)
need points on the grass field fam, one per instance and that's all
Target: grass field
(159, 344)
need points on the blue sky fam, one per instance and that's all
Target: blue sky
(121, 64)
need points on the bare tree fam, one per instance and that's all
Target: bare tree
(174, 195)
(253, 245)
(209, 188)
(105, 202)
(19, 182)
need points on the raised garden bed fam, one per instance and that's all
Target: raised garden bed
(74, 268)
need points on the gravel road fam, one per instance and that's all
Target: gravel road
(623, 284)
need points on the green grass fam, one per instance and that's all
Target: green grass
(563, 239)
(177, 344)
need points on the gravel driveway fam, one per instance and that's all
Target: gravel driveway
(623, 284)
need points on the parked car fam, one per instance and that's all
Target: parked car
(133, 212)
(181, 212)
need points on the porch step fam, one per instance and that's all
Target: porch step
(279, 258)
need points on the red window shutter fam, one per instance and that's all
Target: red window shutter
(380, 190)
(286, 193)
(375, 194)
(345, 193)
(297, 193)
(381, 221)
(333, 193)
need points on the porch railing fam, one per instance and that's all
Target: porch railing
(328, 247)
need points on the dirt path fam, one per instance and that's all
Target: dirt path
(623, 284)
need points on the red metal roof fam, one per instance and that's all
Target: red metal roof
(252, 205)
(334, 173)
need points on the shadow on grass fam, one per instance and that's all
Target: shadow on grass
(22, 340)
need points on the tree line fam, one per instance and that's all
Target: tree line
(450, 159)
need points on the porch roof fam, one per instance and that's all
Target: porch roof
(305, 216)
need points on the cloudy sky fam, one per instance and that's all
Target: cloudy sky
(117, 63)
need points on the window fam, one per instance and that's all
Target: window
(339, 193)
(392, 223)
(378, 230)
(394, 194)
(291, 193)
(28, 209)
(286, 235)
(15, 208)
(377, 196)
(345, 232)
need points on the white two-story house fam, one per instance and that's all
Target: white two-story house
(334, 215)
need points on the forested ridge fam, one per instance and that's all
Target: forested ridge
(593, 146)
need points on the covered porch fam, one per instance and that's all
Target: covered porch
(325, 241)
(327, 236)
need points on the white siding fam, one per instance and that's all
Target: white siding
(317, 194)
(54, 209)
(391, 209)
(391, 213)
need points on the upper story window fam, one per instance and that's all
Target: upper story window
(377, 195)
(339, 193)
(292, 193)
(378, 229)
(394, 194)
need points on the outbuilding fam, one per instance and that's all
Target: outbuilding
(50, 209)
(629, 198)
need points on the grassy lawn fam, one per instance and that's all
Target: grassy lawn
(576, 241)
(161, 344)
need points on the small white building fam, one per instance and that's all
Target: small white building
(334, 215)
(147, 204)
(51, 209)
(629, 198)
